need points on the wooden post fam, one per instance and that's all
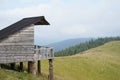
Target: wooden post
(39, 67)
(52, 53)
(29, 66)
(12, 66)
(51, 76)
(21, 66)
(0, 66)
(32, 67)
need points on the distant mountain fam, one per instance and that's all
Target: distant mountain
(67, 43)
(85, 46)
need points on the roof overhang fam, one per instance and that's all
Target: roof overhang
(43, 21)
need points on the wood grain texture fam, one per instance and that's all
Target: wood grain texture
(18, 47)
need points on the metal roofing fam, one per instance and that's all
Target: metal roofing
(25, 22)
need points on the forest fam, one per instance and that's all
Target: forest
(85, 46)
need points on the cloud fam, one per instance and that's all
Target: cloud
(69, 19)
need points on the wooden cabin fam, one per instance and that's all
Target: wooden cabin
(17, 44)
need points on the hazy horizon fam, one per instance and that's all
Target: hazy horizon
(42, 43)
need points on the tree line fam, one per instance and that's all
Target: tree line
(85, 46)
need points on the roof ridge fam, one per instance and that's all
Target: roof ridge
(34, 17)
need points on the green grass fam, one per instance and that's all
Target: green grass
(14, 75)
(101, 63)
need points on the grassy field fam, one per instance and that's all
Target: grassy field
(14, 75)
(101, 63)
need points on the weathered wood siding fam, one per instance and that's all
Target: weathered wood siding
(18, 47)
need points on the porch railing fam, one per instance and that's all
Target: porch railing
(41, 52)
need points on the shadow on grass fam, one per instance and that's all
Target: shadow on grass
(8, 66)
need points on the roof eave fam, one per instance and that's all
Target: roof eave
(43, 21)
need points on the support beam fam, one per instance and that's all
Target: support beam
(51, 76)
(0, 66)
(21, 66)
(39, 67)
(52, 53)
(31, 67)
(12, 66)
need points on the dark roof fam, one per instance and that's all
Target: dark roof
(22, 24)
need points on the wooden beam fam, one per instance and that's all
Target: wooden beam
(51, 76)
(32, 67)
(12, 66)
(39, 67)
(29, 66)
(21, 66)
(52, 52)
(0, 66)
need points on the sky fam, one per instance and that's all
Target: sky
(68, 18)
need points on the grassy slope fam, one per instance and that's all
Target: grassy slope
(14, 75)
(101, 63)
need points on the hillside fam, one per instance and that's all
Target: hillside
(67, 43)
(79, 48)
(101, 63)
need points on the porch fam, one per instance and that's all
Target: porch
(42, 52)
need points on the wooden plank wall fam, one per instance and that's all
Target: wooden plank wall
(18, 47)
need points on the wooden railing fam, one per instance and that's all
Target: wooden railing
(41, 52)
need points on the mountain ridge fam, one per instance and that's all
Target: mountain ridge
(67, 43)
